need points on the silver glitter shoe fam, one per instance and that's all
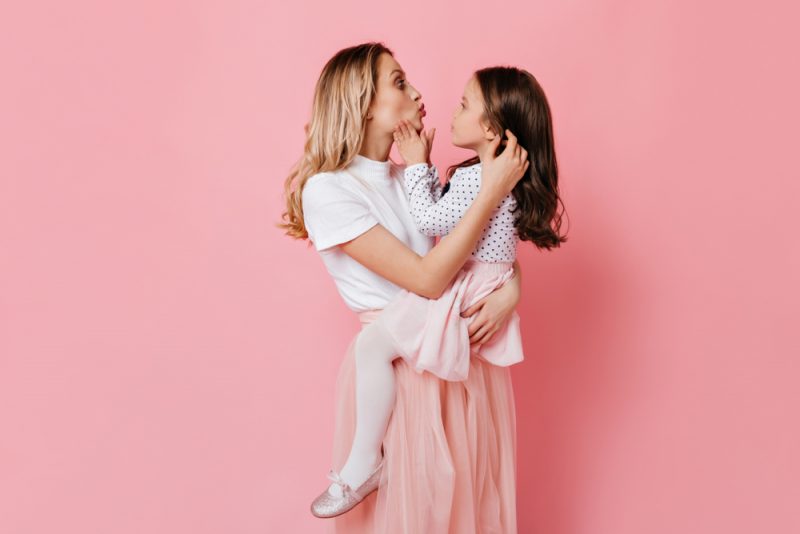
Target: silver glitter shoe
(328, 505)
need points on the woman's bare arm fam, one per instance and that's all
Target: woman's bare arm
(380, 251)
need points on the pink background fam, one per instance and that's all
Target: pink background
(167, 357)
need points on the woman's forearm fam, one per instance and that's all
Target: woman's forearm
(443, 261)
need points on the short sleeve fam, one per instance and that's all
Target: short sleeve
(332, 213)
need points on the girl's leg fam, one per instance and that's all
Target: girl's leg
(375, 396)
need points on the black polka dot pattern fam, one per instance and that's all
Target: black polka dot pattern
(437, 214)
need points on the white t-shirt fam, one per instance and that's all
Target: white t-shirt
(338, 208)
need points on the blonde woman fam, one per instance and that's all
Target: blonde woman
(449, 448)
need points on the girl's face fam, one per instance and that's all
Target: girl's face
(395, 99)
(469, 128)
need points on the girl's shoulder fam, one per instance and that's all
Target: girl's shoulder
(467, 175)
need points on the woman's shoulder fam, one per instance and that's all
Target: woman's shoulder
(330, 179)
(324, 177)
(322, 185)
(330, 187)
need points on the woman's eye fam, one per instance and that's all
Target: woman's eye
(401, 82)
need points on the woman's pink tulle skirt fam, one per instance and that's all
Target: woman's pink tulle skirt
(450, 453)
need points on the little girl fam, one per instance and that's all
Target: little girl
(430, 334)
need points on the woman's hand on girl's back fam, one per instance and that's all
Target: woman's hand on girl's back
(499, 174)
(413, 147)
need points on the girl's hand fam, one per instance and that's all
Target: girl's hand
(493, 311)
(413, 147)
(500, 174)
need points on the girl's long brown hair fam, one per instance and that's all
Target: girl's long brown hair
(334, 134)
(514, 100)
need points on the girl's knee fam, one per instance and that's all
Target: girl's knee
(373, 346)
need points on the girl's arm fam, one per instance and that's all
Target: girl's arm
(434, 214)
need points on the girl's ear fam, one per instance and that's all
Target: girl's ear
(488, 131)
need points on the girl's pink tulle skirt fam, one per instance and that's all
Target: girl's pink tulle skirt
(450, 453)
(431, 334)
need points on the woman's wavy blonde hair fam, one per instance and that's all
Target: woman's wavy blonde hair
(338, 124)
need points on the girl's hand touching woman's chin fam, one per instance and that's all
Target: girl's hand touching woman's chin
(414, 148)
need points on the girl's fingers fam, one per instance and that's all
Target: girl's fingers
(411, 130)
(429, 144)
(400, 132)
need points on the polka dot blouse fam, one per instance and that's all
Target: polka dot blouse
(437, 210)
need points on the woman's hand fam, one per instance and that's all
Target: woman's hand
(414, 148)
(493, 310)
(500, 174)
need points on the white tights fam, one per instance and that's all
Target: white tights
(375, 395)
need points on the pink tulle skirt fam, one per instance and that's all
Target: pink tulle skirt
(450, 453)
(431, 334)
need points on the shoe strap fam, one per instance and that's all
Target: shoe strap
(335, 477)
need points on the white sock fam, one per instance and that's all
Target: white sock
(375, 396)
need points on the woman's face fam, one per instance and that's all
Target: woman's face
(395, 99)
(468, 128)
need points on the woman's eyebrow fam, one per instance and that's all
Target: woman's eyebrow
(397, 70)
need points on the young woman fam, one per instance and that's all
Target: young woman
(449, 452)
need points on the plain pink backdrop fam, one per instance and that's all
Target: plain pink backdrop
(167, 357)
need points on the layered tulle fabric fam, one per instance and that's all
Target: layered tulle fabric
(450, 453)
(432, 335)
